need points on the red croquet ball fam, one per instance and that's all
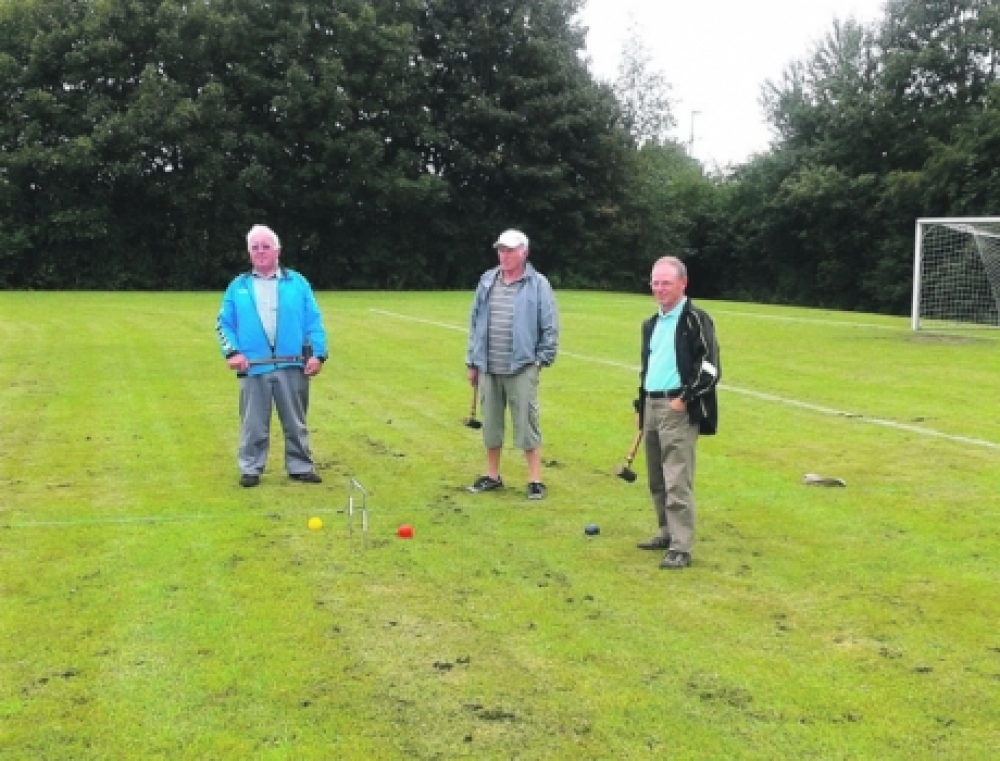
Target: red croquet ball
(405, 532)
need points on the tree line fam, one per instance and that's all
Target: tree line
(386, 140)
(389, 141)
(880, 124)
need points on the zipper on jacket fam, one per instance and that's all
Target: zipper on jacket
(256, 311)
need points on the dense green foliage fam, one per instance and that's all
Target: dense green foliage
(389, 141)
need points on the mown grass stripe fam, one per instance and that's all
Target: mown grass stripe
(919, 430)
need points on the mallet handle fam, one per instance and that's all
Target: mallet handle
(634, 449)
(472, 406)
(271, 361)
(274, 361)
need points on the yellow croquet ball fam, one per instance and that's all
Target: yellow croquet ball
(315, 523)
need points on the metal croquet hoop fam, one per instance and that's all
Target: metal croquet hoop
(354, 488)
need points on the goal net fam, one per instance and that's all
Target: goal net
(956, 273)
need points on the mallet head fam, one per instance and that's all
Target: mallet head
(471, 422)
(625, 473)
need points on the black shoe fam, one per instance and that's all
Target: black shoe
(306, 478)
(675, 560)
(249, 480)
(536, 490)
(656, 543)
(485, 483)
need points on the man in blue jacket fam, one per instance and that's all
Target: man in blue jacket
(271, 333)
(513, 334)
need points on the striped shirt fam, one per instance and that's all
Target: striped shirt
(500, 327)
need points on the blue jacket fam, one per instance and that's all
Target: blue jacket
(536, 322)
(240, 331)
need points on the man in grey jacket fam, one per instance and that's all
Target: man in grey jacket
(513, 333)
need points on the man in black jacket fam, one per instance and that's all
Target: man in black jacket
(677, 402)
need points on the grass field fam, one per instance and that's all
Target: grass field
(152, 609)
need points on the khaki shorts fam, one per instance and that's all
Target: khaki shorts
(519, 393)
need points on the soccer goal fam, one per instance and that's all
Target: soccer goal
(956, 273)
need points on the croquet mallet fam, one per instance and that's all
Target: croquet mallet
(271, 361)
(304, 357)
(274, 361)
(625, 472)
(471, 422)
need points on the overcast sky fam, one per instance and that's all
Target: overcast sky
(717, 54)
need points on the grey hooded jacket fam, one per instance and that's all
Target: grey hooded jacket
(536, 321)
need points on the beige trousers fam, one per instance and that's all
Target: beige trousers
(670, 458)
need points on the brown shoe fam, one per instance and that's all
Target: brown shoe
(656, 543)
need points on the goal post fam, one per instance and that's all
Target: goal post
(956, 273)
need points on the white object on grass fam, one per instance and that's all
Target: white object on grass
(814, 479)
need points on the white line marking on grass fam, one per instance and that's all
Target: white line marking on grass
(597, 361)
(158, 519)
(417, 319)
(971, 332)
(917, 429)
(811, 320)
(106, 521)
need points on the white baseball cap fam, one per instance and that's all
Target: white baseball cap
(512, 239)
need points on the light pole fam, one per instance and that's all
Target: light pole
(691, 141)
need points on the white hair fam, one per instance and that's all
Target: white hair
(263, 229)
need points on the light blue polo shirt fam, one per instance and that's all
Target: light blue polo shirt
(662, 373)
(265, 293)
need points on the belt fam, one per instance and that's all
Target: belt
(671, 394)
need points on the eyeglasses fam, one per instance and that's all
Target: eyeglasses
(661, 283)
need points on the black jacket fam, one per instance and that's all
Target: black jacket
(697, 363)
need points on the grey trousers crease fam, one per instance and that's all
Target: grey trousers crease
(286, 390)
(670, 462)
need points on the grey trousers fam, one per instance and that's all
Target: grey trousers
(670, 458)
(287, 390)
